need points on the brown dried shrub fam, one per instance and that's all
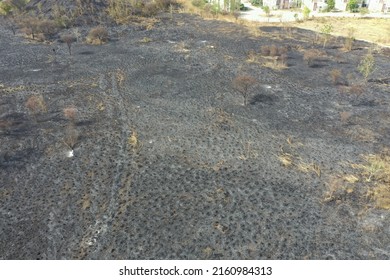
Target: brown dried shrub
(273, 51)
(98, 35)
(71, 136)
(242, 84)
(356, 89)
(265, 50)
(335, 75)
(36, 104)
(344, 116)
(282, 60)
(310, 56)
(68, 39)
(150, 9)
(70, 113)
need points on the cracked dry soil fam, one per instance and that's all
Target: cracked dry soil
(169, 164)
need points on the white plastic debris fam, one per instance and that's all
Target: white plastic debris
(69, 154)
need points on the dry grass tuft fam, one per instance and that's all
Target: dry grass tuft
(120, 75)
(134, 142)
(286, 159)
(381, 196)
(373, 177)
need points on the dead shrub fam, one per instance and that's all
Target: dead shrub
(273, 51)
(70, 113)
(68, 39)
(30, 26)
(36, 104)
(385, 51)
(243, 84)
(282, 60)
(71, 136)
(310, 56)
(344, 116)
(165, 4)
(335, 75)
(98, 35)
(150, 10)
(47, 27)
(265, 50)
(356, 89)
(37, 28)
(252, 56)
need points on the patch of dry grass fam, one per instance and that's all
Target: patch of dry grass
(371, 177)
(293, 160)
(134, 142)
(375, 30)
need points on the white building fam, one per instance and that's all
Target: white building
(377, 5)
(315, 5)
(277, 4)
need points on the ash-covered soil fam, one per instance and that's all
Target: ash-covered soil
(169, 164)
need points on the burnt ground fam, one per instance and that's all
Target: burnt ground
(204, 180)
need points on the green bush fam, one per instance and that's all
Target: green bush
(257, 3)
(5, 8)
(306, 12)
(353, 6)
(199, 3)
(266, 10)
(331, 5)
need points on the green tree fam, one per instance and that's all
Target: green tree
(353, 6)
(266, 10)
(331, 4)
(306, 12)
(326, 30)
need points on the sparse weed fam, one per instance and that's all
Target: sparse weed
(326, 30)
(348, 43)
(146, 40)
(373, 173)
(120, 76)
(367, 65)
